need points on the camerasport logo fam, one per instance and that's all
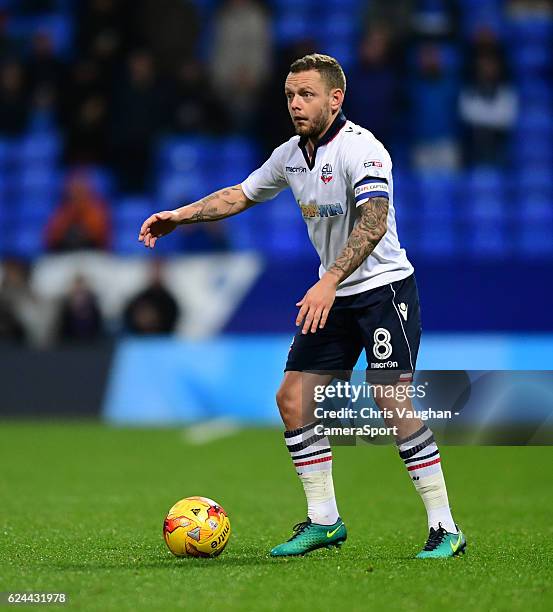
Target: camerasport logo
(326, 174)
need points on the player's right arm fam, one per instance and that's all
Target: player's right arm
(219, 205)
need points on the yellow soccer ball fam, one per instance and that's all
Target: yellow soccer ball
(196, 527)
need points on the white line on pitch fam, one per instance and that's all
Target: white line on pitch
(209, 431)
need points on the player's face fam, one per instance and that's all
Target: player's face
(310, 103)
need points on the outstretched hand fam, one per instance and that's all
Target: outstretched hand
(157, 225)
(316, 304)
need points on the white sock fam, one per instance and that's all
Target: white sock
(312, 459)
(423, 462)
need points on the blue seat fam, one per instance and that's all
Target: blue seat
(6, 147)
(237, 151)
(125, 239)
(35, 209)
(41, 181)
(537, 207)
(438, 239)
(133, 210)
(292, 26)
(437, 195)
(343, 50)
(531, 28)
(181, 188)
(537, 119)
(536, 238)
(184, 154)
(43, 148)
(530, 58)
(58, 25)
(336, 25)
(488, 239)
(26, 241)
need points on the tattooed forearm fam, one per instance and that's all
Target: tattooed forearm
(223, 203)
(362, 241)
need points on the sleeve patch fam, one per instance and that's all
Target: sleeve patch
(373, 163)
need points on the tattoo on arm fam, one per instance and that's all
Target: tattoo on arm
(362, 241)
(223, 203)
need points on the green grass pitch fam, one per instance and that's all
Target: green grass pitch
(81, 510)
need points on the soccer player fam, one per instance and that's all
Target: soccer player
(366, 298)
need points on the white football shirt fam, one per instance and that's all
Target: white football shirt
(348, 167)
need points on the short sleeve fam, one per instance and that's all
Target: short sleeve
(268, 181)
(369, 171)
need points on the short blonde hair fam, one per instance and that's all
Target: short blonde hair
(328, 67)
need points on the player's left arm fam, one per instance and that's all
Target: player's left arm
(370, 228)
(367, 233)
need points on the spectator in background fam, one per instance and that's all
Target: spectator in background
(433, 116)
(241, 59)
(85, 115)
(488, 111)
(153, 310)
(80, 319)
(12, 329)
(274, 121)
(46, 74)
(102, 26)
(530, 8)
(9, 47)
(81, 221)
(14, 99)
(31, 316)
(435, 20)
(376, 78)
(169, 30)
(138, 107)
(195, 108)
(396, 15)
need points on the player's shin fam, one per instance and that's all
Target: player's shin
(422, 460)
(312, 458)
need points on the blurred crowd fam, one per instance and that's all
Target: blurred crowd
(140, 69)
(29, 318)
(440, 96)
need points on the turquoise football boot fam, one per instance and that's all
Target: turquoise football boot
(309, 536)
(442, 544)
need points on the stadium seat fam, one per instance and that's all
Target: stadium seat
(292, 26)
(342, 50)
(537, 207)
(438, 195)
(488, 239)
(132, 210)
(531, 57)
(125, 240)
(58, 25)
(184, 154)
(40, 148)
(531, 28)
(41, 181)
(438, 240)
(35, 209)
(178, 188)
(26, 241)
(536, 238)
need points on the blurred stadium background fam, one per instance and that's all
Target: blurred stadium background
(110, 110)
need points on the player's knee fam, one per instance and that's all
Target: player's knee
(287, 403)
